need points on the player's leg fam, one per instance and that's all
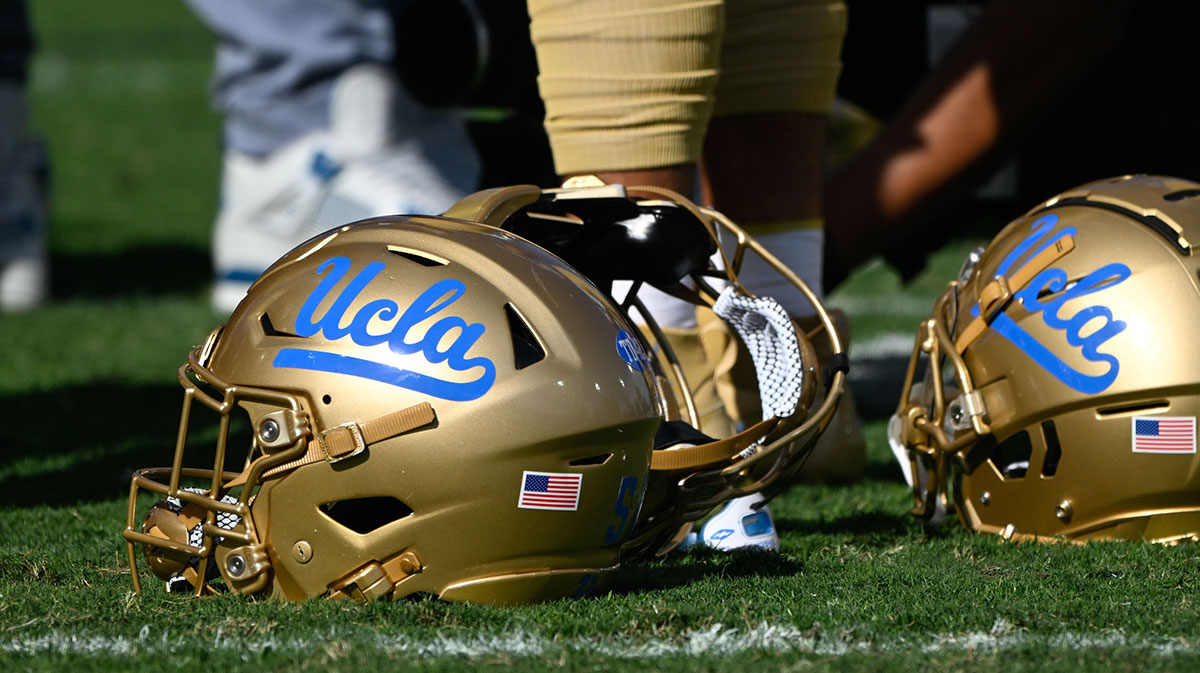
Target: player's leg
(764, 167)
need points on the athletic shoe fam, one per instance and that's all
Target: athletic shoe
(743, 523)
(381, 155)
(24, 206)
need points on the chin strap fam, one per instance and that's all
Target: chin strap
(688, 452)
(350, 439)
(377, 579)
(996, 295)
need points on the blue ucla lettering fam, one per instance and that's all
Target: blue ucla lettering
(1053, 281)
(448, 340)
(331, 323)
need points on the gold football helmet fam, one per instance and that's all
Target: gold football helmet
(1062, 384)
(437, 405)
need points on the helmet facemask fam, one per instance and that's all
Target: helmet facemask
(227, 539)
(677, 249)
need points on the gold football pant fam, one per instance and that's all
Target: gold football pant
(631, 84)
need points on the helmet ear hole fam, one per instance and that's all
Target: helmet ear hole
(1053, 449)
(364, 515)
(1011, 457)
(599, 459)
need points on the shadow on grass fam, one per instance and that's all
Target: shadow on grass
(862, 524)
(81, 443)
(888, 472)
(148, 270)
(681, 569)
(876, 380)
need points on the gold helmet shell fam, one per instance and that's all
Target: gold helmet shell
(1062, 381)
(436, 407)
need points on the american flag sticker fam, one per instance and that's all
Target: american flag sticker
(550, 490)
(1164, 434)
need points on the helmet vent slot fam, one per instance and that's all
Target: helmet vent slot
(527, 350)
(1053, 449)
(1011, 457)
(1152, 221)
(1181, 195)
(422, 258)
(1152, 407)
(598, 459)
(270, 330)
(364, 515)
(1044, 293)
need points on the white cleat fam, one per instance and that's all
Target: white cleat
(360, 167)
(24, 207)
(743, 523)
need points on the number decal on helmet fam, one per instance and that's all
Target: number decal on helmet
(616, 531)
(587, 586)
(631, 351)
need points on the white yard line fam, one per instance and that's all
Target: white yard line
(53, 72)
(892, 344)
(856, 305)
(715, 641)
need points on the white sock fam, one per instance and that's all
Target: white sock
(667, 310)
(801, 251)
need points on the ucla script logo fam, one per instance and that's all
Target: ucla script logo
(1053, 280)
(434, 300)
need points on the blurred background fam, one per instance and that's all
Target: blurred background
(119, 91)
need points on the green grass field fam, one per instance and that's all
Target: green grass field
(88, 392)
